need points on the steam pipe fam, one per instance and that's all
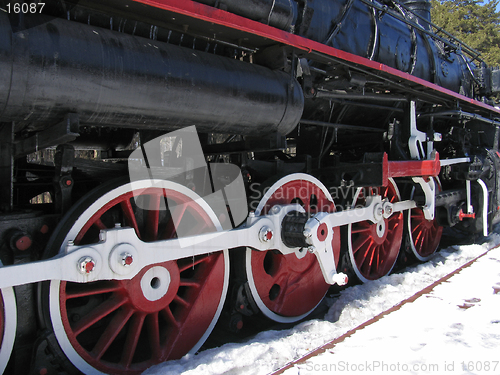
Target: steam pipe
(52, 67)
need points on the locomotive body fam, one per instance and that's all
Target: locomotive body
(168, 166)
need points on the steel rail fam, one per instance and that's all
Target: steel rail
(332, 343)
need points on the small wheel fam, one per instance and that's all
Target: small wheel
(424, 235)
(373, 248)
(164, 312)
(285, 288)
(8, 323)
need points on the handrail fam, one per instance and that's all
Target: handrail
(474, 55)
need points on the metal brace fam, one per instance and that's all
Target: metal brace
(120, 254)
(417, 138)
(429, 188)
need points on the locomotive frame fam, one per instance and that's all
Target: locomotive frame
(98, 278)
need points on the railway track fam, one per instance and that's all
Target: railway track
(276, 351)
(425, 292)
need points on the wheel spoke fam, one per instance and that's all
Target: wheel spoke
(99, 224)
(129, 215)
(177, 215)
(169, 231)
(425, 240)
(394, 224)
(380, 257)
(98, 313)
(193, 263)
(416, 214)
(385, 193)
(169, 317)
(371, 260)
(86, 290)
(154, 334)
(182, 301)
(190, 283)
(417, 225)
(365, 258)
(153, 216)
(361, 228)
(207, 272)
(133, 334)
(419, 239)
(360, 242)
(110, 333)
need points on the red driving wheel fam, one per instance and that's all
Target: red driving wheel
(285, 287)
(425, 235)
(373, 248)
(165, 311)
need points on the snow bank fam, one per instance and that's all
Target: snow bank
(271, 350)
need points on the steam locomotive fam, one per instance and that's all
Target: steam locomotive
(169, 165)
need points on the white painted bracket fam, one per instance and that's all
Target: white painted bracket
(484, 189)
(429, 188)
(417, 138)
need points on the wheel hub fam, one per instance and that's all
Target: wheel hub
(155, 283)
(380, 230)
(154, 288)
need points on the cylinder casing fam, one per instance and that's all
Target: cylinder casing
(52, 68)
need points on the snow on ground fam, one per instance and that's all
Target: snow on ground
(430, 331)
(453, 330)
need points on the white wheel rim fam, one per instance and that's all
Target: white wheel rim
(10, 324)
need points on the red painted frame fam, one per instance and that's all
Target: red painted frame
(412, 168)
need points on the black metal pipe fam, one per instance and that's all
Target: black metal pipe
(56, 67)
(354, 128)
(374, 97)
(460, 114)
(277, 13)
